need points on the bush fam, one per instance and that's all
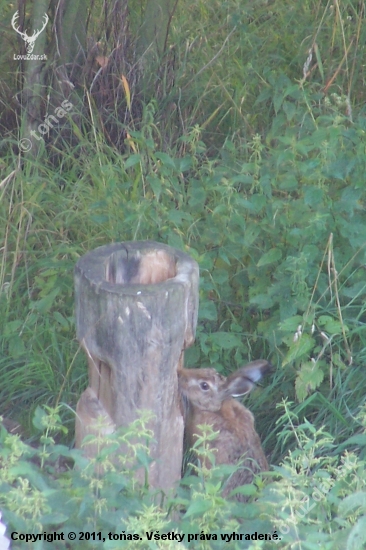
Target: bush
(316, 498)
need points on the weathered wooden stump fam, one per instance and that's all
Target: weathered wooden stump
(136, 311)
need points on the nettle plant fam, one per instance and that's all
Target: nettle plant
(315, 497)
(318, 498)
(276, 225)
(320, 340)
(52, 488)
(284, 239)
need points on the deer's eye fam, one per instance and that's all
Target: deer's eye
(204, 386)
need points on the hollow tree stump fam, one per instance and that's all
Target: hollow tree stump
(136, 311)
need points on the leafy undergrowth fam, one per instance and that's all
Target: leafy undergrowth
(316, 498)
(276, 226)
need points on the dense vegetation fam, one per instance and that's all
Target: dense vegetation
(252, 159)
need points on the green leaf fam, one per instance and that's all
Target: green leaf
(348, 505)
(332, 326)
(225, 340)
(262, 301)
(270, 257)
(277, 100)
(28, 471)
(358, 289)
(60, 319)
(288, 182)
(165, 159)
(323, 319)
(223, 256)
(335, 327)
(11, 327)
(313, 196)
(259, 201)
(198, 508)
(185, 164)
(308, 379)
(220, 276)
(357, 537)
(244, 203)
(251, 233)
(177, 217)
(56, 518)
(290, 109)
(155, 184)
(197, 197)
(291, 324)
(298, 349)
(208, 310)
(39, 419)
(46, 303)
(132, 160)
(16, 346)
